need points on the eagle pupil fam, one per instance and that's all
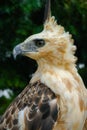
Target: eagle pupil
(39, 43)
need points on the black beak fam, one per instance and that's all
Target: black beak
(17, 51)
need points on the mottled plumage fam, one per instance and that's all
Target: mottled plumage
(39, 105)
(56, 97)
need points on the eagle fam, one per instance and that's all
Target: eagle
(56, 97)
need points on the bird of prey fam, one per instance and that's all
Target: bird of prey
(55, 98)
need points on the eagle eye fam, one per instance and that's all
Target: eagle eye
(39, 42)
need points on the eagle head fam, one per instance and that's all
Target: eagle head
(53, 45)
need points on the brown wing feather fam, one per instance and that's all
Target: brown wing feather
(41, 106)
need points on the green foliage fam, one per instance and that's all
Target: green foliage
(83, 73)
(22, 18)
(4, 103)
(10, 79)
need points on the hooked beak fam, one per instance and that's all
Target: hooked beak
(24, 49)
(17, 51)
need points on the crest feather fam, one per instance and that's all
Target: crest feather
(47, 14)
(52, 26)
(50, 22)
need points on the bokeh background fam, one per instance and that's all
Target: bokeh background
(21, 18)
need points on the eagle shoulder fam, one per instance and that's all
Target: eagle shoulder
(35, 108)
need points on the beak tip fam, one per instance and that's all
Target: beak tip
(14, 53)
(17, 51)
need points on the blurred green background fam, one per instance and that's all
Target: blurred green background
(21, 18)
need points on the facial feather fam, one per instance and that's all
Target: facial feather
(58, 49)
